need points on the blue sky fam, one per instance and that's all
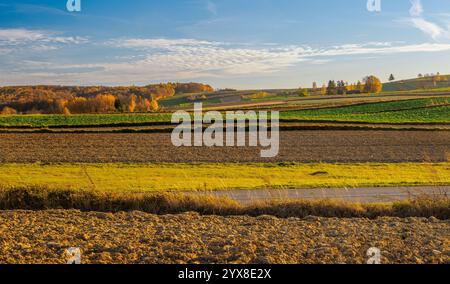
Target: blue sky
(227, 43)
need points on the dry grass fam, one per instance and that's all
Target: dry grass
(168, 203)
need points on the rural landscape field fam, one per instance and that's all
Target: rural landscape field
(390, 152)
(89, 163)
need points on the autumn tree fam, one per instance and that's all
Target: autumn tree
(154, 105)
(57, 106)
(302, 92)
(104, 103)
(132, 103)
(372, 85)
(66, 111)
(323, 90)
(8, 111)
(79, 105)
(187, 88)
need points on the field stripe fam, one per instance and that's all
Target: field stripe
(209, 176)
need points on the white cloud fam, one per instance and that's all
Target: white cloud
(434, 30)
(188, 59)
(188, 55)
(365, 49)
(158, 43)
(416, 8)
(15, 37)
(19, 35)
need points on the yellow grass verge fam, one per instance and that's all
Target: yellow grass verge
(183, 177)
(174, 203)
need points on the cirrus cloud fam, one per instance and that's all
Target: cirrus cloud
(37, 40)
(434, 30)
(142, 60)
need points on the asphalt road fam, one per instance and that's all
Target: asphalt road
(365, 195)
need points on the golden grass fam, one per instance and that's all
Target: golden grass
(171, 203)
(184, 177)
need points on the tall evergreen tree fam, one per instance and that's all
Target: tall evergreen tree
(331, 90)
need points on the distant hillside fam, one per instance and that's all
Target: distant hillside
(425, 83)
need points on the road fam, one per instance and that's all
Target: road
(365, 195)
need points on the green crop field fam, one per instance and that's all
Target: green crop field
(430, 110)
(428, 91)
(81, 119)
(428, 115)
(433, 110)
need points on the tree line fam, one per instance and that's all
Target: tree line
(94, 99)
(369, 84)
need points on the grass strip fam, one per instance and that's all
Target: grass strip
(122, 177)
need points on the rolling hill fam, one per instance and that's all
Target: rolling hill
(425, 83)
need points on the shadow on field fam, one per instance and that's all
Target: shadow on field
(170, 203)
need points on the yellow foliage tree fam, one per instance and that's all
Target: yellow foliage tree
(105, 103)
(66, 111)
(132, 103)
(79, 105)
(372, 85)
(155, 105)
(323, 90)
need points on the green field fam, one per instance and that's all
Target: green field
(430, 110)
(433, 110)
(428, 91)
(208, 176)
(53, 120)
(418, 84)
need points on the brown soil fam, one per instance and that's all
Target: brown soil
(284, 126)
(136, 237)
(300, 146)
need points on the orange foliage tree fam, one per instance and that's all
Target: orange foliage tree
(8, 111)
(372, 85)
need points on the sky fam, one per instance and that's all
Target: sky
(242, 44)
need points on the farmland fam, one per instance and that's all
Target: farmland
(184, 177)
(425, 83)
(430, 110)
(415, 111)
(295, 146)
(224, 132)
(135, 237)
(109, 165)
(82, 120)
